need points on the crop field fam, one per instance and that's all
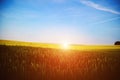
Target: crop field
(32, 61)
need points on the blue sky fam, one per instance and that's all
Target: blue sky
(58, 21)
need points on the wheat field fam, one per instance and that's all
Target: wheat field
(33, 61)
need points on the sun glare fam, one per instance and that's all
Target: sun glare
(65, 45)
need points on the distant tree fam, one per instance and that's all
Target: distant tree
(117, 43)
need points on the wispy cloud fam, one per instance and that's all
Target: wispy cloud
(98, 7)
(108, 20)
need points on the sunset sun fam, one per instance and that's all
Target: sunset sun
(65, 45)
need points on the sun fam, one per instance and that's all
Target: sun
(65, 45)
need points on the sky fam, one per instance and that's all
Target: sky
(87, 22)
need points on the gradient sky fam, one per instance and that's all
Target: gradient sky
(58, 21)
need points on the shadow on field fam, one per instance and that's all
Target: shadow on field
(32, 63)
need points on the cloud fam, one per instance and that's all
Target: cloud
(98, 7)
(108, 20)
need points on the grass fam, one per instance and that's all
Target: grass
(58, 46)
(37, 61)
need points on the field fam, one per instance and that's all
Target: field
(33, 61)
